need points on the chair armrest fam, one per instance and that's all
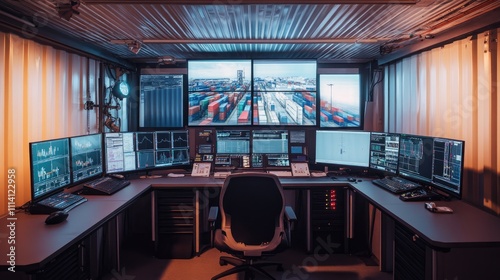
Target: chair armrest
(290, 214)
(213, 213)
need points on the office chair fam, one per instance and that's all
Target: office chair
(253, 212)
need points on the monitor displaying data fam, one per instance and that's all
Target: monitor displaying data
(180, 139)
(119, 152)
(232, 148)
(346, 148)
(384, 152)
(415, 157)
(233, 141)
(271, 146)
(86, 157)
(448, 165)
(50, 167)
(161, 101)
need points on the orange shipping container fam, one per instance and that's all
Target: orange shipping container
(193, 110)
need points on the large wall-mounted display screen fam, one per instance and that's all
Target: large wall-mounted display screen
(161, 102)
(284, 92)
(219, 92)
(340, 100)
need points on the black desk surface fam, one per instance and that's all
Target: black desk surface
(37, 243)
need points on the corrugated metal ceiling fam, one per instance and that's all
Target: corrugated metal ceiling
(328, 32)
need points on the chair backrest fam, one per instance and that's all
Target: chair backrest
(252, 209)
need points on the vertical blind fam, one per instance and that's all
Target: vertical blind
(452, 92)
(42, 92)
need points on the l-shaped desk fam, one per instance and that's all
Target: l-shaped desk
(463, 244)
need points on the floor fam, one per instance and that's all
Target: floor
(138, 262)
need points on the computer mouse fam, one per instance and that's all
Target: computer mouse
(56, 217)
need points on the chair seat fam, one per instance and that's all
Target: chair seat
(221, 245)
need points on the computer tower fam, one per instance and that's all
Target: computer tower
(328, 220)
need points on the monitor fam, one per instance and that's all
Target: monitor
(340, 147)
(161, 103)
(271, 146)
(232, 141)
(384, 152)
(119, 152)
(180, 147)
(163, 148)
(86, 157)
(232, 148)
(284, 92)
(448, 165)
(340, 100)
(50, 167)
(415, 157)
(219, 92)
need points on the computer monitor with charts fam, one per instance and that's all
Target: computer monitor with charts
(415, 157)
(50, 167)
(448, 165)
(384, 152)
(232, 148)
(119, 152)
(271, 146)
(86, 157)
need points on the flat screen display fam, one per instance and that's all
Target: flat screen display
(345, 148)
(448, 165)
(161, 102)
(384, 152)
(219, 92)
(340, 100)
(50, 167)
(284, 92)
(416, 157)
(86, 157)
(119, 152)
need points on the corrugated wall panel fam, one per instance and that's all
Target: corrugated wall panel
(452, 92)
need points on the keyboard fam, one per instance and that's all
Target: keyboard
(104, 186)
(281, 173)
(221, 174)
(57, 202)
(396, 185)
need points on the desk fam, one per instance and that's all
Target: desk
(467, 229)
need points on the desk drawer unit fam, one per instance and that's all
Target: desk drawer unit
(175, 223)
(410, 256)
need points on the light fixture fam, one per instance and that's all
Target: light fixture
(134, 46)
(66, 10)
(166, 60)
(120, 90)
